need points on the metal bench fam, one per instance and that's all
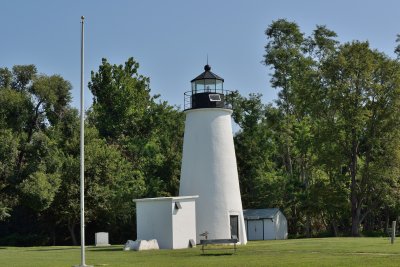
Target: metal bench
(206, 242)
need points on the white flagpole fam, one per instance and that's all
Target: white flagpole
(82, 144)
(82, 154)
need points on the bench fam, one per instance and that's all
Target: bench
(205, 242)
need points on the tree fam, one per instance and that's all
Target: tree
(133, 151)
(338, 113)
(363, 92)
(110, 181)
(29, 104)
(121, 97)
(150, 134)
(294, 72)
(8, 156)
(255, 152)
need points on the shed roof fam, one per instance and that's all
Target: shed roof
(254, 214)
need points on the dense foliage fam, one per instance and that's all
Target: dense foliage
(132, 149)
(326, 152)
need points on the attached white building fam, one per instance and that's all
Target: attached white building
(170, 220)
(265, 224)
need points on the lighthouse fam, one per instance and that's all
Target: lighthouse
(209, 168)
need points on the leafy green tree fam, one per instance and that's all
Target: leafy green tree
(364, 86)
(337, 105)
(15, 110)
(5, 78)
(39, 150)
(150, 134)
(121, 98)
(293, 75)
(29, 104)
(255, 151)
(110, 181)
(8, 156)
(39, 190)
(162, 151)
(22, 76)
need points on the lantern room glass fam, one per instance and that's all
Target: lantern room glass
(207, 85)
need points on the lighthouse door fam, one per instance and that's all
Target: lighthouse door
(234, 219)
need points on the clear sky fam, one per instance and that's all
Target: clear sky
(171, 38)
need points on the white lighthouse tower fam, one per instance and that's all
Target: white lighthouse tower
(209, 163)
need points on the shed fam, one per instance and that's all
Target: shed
(265, 224)
(170, 220)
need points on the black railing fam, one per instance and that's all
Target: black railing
(188, 99)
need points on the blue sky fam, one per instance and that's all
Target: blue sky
(171, 39)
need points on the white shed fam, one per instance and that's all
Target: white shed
(265, 224)
(170, 220)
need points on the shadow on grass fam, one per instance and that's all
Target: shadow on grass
(217, 254)
(106, 249)
(51, 249)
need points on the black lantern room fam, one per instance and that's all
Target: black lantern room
(207, 91)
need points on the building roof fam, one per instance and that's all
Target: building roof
(207, 74)
(255, 214)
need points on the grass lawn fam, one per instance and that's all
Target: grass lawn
(296, 252)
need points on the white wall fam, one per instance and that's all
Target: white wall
(157, 218)
(183, 223)
(154, 222)
(209, 170)
(281, 226)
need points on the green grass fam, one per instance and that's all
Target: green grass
(296, 252)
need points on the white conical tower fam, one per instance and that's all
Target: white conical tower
(209, 163)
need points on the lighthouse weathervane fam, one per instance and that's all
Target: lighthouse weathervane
(209, 167)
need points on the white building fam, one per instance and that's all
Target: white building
(170, 220)
(265, 224)
(209, 163)
(208, 172)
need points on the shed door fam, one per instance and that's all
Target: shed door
(255, 230)
(269, 230)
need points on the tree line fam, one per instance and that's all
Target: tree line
(326, 151)
(133, 145)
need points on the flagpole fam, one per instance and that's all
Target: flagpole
(82, 153)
